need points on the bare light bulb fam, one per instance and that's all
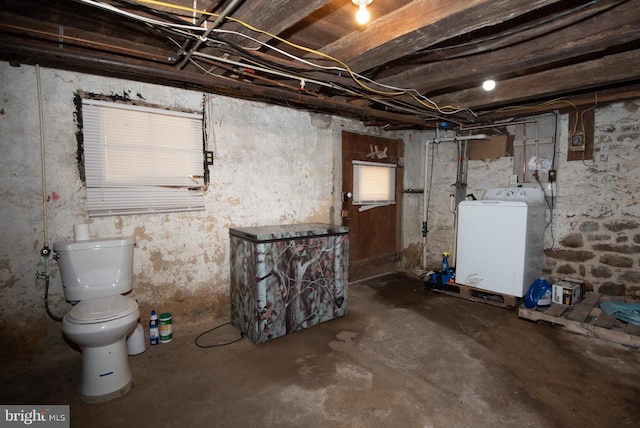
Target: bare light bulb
(362, 17)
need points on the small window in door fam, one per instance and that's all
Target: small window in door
(374, 183)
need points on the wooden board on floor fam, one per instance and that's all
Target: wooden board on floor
(586, 318)
(476, 295)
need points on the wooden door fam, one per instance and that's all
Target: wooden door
(374, 234)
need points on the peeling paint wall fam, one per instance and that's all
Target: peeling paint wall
(273, 165)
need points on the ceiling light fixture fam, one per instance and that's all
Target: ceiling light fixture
(362, 16)
(488, 85)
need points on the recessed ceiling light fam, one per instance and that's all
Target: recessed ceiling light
(489, 85)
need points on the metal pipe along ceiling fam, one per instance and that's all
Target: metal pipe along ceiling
(215, 24)
(140, 71)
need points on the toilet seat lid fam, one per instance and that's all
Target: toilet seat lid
(102, 309)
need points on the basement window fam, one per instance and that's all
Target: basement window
(374, 183)
(141, 160)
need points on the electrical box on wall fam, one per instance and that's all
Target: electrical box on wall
(209, 158)
(581, 135)
(578, 142)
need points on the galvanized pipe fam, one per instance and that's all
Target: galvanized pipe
(169, 76)
(215, 24)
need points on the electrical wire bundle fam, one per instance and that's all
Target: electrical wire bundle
(217, 52)
(230, 56)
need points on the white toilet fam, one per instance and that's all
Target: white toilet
(95, 273)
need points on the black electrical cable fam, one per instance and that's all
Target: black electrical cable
(223, 45)
(236, 49)
(229, 47)
(217, 345)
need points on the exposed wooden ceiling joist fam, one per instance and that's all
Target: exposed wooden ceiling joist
(420, 24)
(537, 50)
(609, 70)
(543, 46)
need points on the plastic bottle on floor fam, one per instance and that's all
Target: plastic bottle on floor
(445, 262)
(154, 332)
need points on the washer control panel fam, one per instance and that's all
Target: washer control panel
(524, 194)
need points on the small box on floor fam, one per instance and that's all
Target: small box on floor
(566, 293)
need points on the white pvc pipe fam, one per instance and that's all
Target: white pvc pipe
(425, 196)
(460, 138)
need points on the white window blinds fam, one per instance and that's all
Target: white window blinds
(374, 183)
(141, 160)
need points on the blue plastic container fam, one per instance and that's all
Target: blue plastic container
(539, 293)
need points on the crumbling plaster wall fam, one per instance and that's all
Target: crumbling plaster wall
(273, 165)
(594, 233)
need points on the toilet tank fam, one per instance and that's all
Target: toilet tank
(96, 267)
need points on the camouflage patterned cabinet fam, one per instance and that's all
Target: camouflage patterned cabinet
(286, 278)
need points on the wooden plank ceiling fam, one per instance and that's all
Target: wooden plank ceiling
(416, 64)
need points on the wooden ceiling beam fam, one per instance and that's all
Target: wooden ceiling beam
(420, 24)
(267, 15)
(20, 51)
(607, 71)
(538, 49)
(569, 103)
(61, 37)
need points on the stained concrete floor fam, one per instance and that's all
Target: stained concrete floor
(401, 357)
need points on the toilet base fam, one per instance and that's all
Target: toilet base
(97, 399)
(105, 372)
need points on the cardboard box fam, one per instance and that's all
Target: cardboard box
(493, 148)
(566, 293)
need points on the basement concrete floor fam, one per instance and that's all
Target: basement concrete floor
(401, 357)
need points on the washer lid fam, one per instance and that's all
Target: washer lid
(102, 309)
(529, 195)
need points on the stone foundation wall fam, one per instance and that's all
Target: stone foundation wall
(596, 220)
(605, 254)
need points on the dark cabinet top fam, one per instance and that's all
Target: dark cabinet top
(287, 231)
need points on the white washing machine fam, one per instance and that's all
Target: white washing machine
(501, 240)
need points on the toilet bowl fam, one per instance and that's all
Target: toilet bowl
(95, 275)
(100, 327)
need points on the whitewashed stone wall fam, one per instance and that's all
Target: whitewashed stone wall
(276, 165)
(273, 165)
